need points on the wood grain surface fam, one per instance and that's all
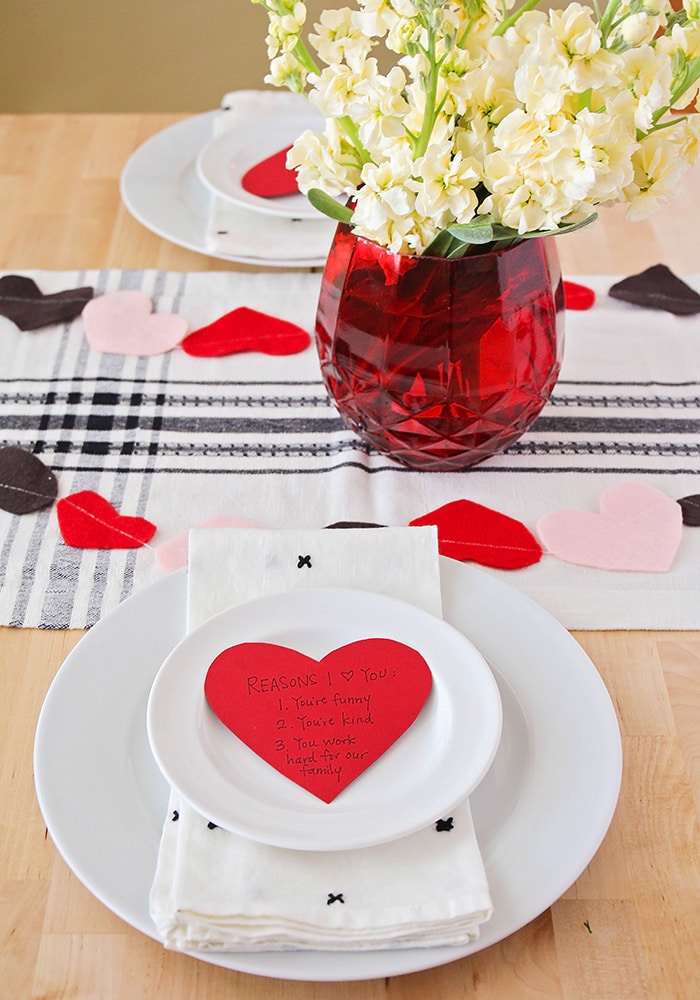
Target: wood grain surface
(628, 929)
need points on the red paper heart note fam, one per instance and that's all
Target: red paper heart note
(271, 178)
(470, 531)
(245, 329)
(88, 521)
(320, 723)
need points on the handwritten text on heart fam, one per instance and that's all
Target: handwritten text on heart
(321, 723)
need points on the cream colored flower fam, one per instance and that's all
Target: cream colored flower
(385, 204)
(658, 168)
(284, 29)
(538, 125)
(648, 74)
(489, 94)
(285, 71)
(447, 183)
(375, 17)
(608, 142)
(684, 39)
(339, 38)
(567, 52)
(642, 26)
(378, 106)
(335, 88)
(325, 161)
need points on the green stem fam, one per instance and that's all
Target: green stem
(605, 24)
(303, 57)
(431, 110)
(689, 77)
(510, 21)
(350, 129)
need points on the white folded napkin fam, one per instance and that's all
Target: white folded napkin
(239, 231)
(215, 890)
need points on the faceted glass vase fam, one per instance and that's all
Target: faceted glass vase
(440, 363)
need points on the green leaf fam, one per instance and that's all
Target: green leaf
(329, 206)
(567, 227)
(484, 230)
(440, 245)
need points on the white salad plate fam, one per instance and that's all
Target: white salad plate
(224, 161)
(160, 188)
(433, 765)
(540, 813)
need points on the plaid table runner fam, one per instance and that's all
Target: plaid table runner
(179, 440)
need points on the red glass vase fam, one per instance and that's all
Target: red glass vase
(436, 362)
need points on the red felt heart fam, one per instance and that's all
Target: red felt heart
(271, 178)
(578, 296)
(469, 531)
(88, 521)
(320, 723)
(245, 329)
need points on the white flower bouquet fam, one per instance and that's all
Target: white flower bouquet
(480, 125)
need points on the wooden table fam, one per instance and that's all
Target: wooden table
(628, 929)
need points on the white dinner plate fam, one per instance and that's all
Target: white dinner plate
(540, 813)
(433, 766)
(224, 161)
(160, 188)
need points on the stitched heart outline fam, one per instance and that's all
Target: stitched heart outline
(470, 531)
(88, 521)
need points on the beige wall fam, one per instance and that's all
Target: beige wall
(133, 55)
(130, 55)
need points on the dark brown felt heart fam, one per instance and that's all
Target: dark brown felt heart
(22, 301)
(658, 288)
(690, 507)
(320, 723)
(26, 484)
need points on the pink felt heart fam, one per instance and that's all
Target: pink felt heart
(638, 529)
(320, 723)
(470, 531)
(173, 554)
(271, 178)
(245, 329)
(88, 521)
(124, 323)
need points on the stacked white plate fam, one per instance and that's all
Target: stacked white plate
(184, 184)
(540, 812)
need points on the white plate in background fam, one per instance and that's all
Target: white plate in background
(160, 188)
(224, 161)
